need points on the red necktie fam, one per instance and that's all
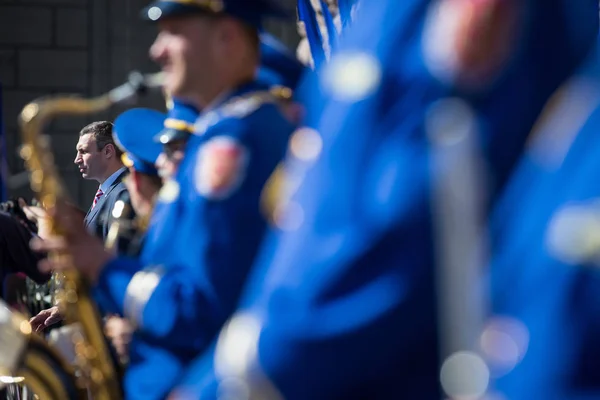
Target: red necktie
(99, 194)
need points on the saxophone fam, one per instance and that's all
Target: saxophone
(96, 371)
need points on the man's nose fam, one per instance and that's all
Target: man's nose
(158, 49)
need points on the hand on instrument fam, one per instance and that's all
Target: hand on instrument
(33, 213)
(77, 247)
(38, 216)
(45, 319)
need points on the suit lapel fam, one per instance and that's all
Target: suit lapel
(92, 212)
(89, 216)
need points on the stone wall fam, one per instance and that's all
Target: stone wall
(83, 47)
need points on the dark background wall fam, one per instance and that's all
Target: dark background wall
(84, 47)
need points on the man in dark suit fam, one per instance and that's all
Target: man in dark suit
(98, 158)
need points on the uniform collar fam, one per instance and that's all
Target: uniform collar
(237, 91)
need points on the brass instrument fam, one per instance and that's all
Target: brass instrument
(96, 370)
(27, 358)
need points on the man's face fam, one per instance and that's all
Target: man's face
(183, 50)
(168, 161)
(90, 160)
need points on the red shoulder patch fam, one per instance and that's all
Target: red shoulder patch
(220, 167)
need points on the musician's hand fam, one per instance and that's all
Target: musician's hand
(80, 249)
(33, 213)
(45, 319)
(37, 215)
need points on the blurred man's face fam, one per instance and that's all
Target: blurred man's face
(90, 160)
(168, 161)
(183, 50)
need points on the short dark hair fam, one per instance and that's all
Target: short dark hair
(101, 131)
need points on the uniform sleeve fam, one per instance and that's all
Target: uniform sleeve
(112, 284)
(165, 302)
(367, 311)
(154, 300)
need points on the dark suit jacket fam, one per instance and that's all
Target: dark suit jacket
(99, 219)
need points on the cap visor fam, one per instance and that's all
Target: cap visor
(169, 135)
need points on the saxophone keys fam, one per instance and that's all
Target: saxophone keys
(97, 376)
(25, 152)
(71, 296)
(37, 178)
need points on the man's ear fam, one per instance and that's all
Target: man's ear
(109, 150)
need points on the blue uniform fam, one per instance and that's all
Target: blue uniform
(343, 303)
(545, 288)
